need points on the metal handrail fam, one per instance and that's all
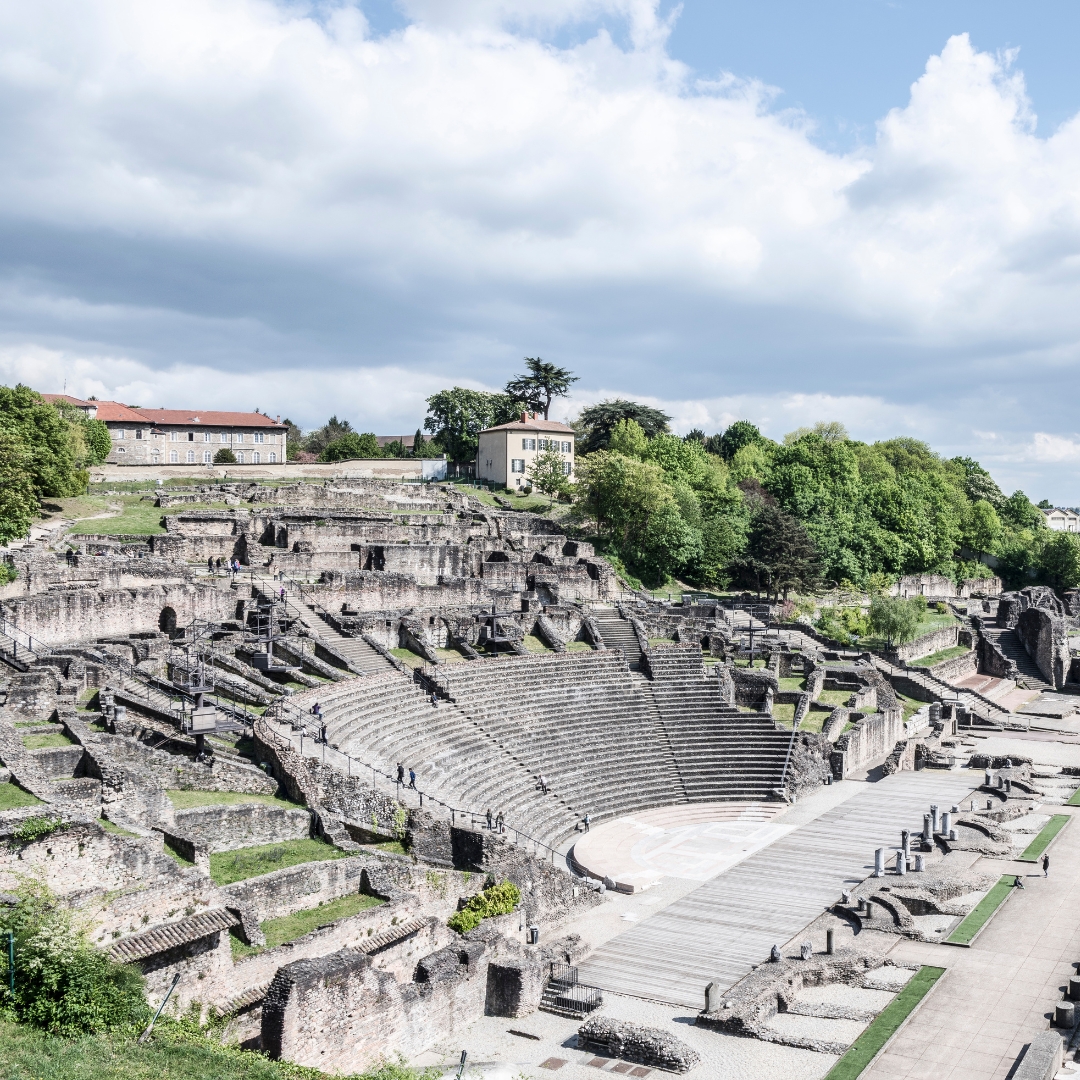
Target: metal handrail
(18, 637)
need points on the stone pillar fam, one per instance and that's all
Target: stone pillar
(920, 864)
(901, 863)
(934, 825)
(713, 993)
(905, 841)
(829, 943)
(989, 778)
(935, 712)
(879, 862)
(946, 822)
(806, 950)
(1007, 784)
(927, 834)
(1074, 987)
(1065, 1015)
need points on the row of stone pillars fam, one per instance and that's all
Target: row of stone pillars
(936, 823)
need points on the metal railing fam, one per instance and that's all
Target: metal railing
(563, 991)
(19, 640)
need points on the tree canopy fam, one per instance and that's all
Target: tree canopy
(457, 416)
(543, 383)
(597, 422)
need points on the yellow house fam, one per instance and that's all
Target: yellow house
(506, 452)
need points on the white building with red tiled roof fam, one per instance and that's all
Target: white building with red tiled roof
(505, 452)
(184, 436)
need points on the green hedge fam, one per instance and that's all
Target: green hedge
(496, 900)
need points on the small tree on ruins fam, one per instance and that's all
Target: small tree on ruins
(225, 457)
(547, 475)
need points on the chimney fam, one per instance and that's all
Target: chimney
(524, 417)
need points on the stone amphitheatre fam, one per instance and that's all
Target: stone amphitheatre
(269, 753)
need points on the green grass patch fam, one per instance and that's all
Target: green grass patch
(578, 646)
(984, 910)
(940, 656)
(794, 683)
(885, 1025)
(395, 847)
(814, 720)
(910, 705)
(1074, 799)
(1033, 852)
(784, 714)
(137, 517)
(834, 697)
(229, 866)
(173, 1051)
(408, 657)
(12, 797)
(290, 927)
(449, 656)
(534, 644)
(41, 742)
(188, 800)
(109, 827)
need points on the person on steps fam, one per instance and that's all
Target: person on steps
(400, 773)
(210, 564)
(1046, 866)
(586, 820)
(499, 826)
(490, 819)
(543, 784)
(412, 779)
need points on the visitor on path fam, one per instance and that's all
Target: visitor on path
(434, 700)
(220, 562)
(499, 826)
(1046, 866)
(400, 773)
(316, 711)
(1018, 882)
(412, 779)
(70, 556)
(210, 564)
(281, 594)
(490, 819)
(322, 734)
(543, 784)
(586, 820)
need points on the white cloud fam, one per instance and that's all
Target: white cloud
(1053, 448)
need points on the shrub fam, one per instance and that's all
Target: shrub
(35, 828)
(225, 457)
(62, 983)
(497, 900)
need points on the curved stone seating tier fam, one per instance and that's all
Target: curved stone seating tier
(607, 741)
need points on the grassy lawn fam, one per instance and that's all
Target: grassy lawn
(796, 682)
(940, 656)
(814, 721)
(187, 800)
(578, 646)
(910, 705)
(833, 697)
(1033, 852)
(534, 644)
(965, 933)
(449, 656)
(931, 621)
(12, 796)
(172, 1052)
(290, 927)
(109, 827)
(53, 738)
(784, 714)
(750, 663)
(1074, 800)
(229, 866)
(885, 1025)
(408, 657)
(137, 517)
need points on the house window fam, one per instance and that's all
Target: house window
(138, 433)
(566, 467)
(255, 458)
(517, 465)
(257, 437)
(121, 434)
(174, 436)
(206, 436)
(528, 444)
(174, 457)
(224, 436)
(191, 436)
(240, 458)
(157, 457)
(191, 457)
(239, 436)
(567, 447)
(207, 457)
(273, 457)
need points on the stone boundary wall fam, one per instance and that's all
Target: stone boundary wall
(959, 667)
(227, 828)
(872, 738)
(359, 469)
(1045, 637)
(944, 638)
(297, 888)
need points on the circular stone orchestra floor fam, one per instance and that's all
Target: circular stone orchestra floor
(693, 842)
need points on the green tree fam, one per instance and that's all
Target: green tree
(978, 483)
(547, 476)
(294, 439)
(49, 441)
(318, 440)
(18, 500)
(1019, 512)
(598, 421)
(457, 416)
(982, 530)
(98, 441)
(779, 554)
(896, 619)
(543, 383)
(351, 446)
(739, 434)
(1061, 560)
(393, 449)
(224, 457)
(629, 438)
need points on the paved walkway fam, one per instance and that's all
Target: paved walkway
(1000, 993)
(719, 930)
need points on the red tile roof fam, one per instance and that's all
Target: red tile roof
(114, 412)
(218, 419)
(51, 398)
(530, 424)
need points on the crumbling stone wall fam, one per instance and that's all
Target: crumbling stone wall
(1045, 637)
(226, 828)
(872, 738)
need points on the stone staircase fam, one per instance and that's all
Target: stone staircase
(988, 712)
(1028, 673)
(617, 633)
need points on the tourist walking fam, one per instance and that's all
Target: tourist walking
(400, 773)
(412, 779)
(70, 556)
(499, 826)
(1046, 865)
(434, 700)
(490, 819)
(586, 821)
(210, 564)
(543, 784)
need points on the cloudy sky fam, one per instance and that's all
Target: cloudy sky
(851, 210)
